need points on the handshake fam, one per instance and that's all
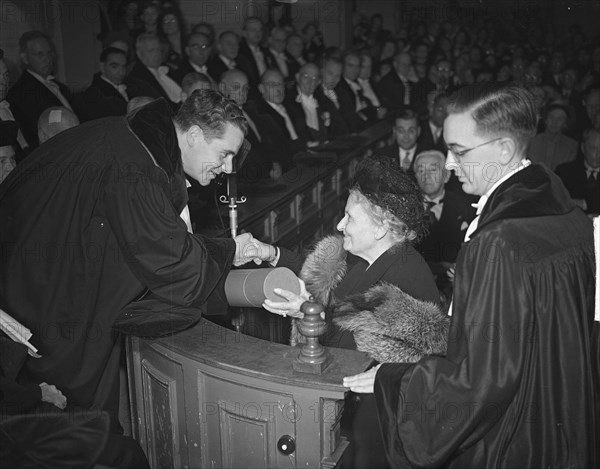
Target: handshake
(247, 249)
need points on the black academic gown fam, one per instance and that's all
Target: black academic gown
(88, 223)
(516, 386)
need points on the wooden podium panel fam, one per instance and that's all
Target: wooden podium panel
(210, 397)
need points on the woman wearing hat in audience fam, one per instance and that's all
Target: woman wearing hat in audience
(373, 284)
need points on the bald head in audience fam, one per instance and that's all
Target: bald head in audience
(55, 120)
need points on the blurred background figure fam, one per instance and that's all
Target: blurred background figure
(54, 120)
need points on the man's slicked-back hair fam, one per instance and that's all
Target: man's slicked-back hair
(211, 111)
(498, 109)
(29, 36)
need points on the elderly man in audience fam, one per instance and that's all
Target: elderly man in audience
(331, 73)
(226, 59)
(406, 131)
(581, 176)
(36, 89)
(197, 51)
(311, 122)
(148, 76)
(54, 120)
(449, 215)
(364, 80)
(107, 95)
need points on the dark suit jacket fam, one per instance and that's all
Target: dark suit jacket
(184, 68)
(259, 160)
(446, 235)
(296, 112)
(337, 126)
(247, 64)
(274, 133)
(216, 67)
(141, 82)
(101, 99)
(347, 101)
(574, 178)
(28, 98)
(425, 139)
(390, 90)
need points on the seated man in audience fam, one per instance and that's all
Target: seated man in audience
(364, 79)
(449, 217)
(406, 133)
(197, 51)
(107, 95)
(552, 147)
(54, 120)
(295, 53)
(259, 164)
(331, 74)
(273, 120)
(251, 58)
(148, 76)
(394, 89)
(581, 176)
(228, 48)
(432, 128)
(276, 56)
(358, 110)
(36, 89)
(308, 119)
(439, 79)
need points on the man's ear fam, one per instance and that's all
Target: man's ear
(23, 57)
(102, 68)
(193, 135)
(446, 174)
(508, 149)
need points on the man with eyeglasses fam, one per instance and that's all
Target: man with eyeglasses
(518, 386)
(197, 50)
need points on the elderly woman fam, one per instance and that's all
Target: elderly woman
(379, 293)
(373, 261)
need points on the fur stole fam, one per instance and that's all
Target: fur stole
(392, 326)
(388, 324)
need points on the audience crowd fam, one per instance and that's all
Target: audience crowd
(298, 94)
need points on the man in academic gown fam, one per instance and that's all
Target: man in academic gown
(516, 387)
(95, 219)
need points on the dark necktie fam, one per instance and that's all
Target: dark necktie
(592, 192)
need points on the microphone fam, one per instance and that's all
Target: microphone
(232, 197)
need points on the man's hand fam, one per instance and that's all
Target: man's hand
(247, 249)
(53, 396)
(363, 382)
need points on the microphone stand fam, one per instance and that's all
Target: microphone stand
(232, 200)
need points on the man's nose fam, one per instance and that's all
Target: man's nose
(228, 164)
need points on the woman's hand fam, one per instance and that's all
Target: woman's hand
(363, 382)
(290, 307)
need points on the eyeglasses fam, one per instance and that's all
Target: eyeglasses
(199, 46)
(462, 153)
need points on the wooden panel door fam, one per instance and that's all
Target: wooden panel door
(250, 421)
